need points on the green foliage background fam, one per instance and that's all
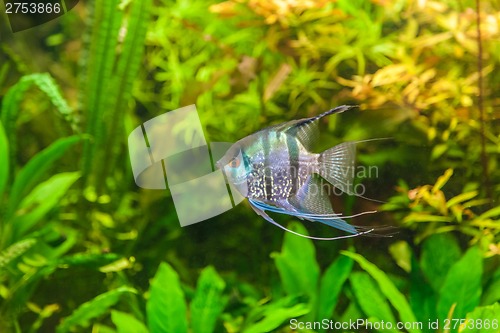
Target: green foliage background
(83, 249)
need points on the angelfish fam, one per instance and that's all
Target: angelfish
(276, 170)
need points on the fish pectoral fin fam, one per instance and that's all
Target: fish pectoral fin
(312, 198)
(263, 206)
(256, 206)
(313, 204)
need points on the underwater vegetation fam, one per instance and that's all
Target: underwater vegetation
(83, 249)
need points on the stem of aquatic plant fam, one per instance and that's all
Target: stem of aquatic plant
(484, 158)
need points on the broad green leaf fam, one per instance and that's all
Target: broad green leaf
(100, 328)
(166, 307)
(126, 323)
(274, 319)
(352, 313)
(82, 316)
(4, 160)
(35, 169)
(439, 253)
(275, 314)
(462, 286)
(296, 263)
(484, 319)
(208, 302)
(401, 253)
(492, 294)
(40, 201)
(331, 285)
(19, 297)
(67, 237)
(370, 299)
(386, 286)
(422, 296)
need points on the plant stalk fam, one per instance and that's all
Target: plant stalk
(484, 158)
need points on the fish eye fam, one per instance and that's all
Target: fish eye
(235, 162)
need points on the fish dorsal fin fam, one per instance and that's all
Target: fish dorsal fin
(306, 130)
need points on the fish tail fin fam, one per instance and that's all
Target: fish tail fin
(337, 166)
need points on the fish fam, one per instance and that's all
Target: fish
(277, 171)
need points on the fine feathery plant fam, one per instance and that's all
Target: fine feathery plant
(12, 104)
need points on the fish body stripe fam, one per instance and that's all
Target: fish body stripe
(293, 158)
(268, 179)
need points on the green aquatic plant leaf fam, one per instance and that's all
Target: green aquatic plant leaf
(110, 77)
(208, 301)
(483, 319)
(388, 288)
(166, 308)
(4, 158)
(425, 217)
(494, 212)
(331, 284)
(12, 100)
(124, 76)
(90, 260)
(97, 74)
(36, 168)
(370, 299)
(48, 85)
(439, 253)
(492, 292)
(40, 201)
(422, 297)
(297, 265)
(401, 253)
(126, 323)
(15, 250)
(462, 288)
(462, 197)
(92, 309)
(269, 317)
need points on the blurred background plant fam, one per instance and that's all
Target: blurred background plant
(81, 247)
